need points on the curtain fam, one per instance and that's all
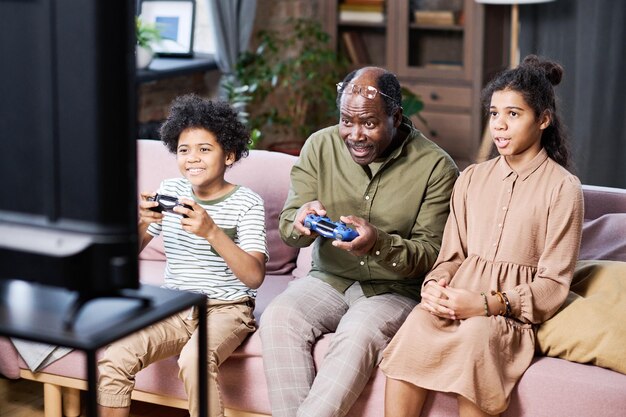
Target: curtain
(233, 21)
(587, 38)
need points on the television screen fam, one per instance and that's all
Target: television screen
(68, 211)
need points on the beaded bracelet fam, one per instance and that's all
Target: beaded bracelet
(486, 304)
(500, 299)
(507, 312)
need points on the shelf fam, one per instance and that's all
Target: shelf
(161, 68)
(422, 26)
(361, 24)
(438, 52)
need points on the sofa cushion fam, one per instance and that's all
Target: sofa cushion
(589, 328)
(304, 262)
(554, 387)
(161, 378)
(268, 174)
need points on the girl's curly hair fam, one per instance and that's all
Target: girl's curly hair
(194, 112)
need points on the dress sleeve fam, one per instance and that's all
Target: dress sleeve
(538, 301)
(454, 245)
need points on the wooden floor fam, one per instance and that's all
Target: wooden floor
(24, 398)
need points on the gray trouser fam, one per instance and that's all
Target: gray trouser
(306, 310)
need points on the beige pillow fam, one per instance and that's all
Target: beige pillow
(591, 325)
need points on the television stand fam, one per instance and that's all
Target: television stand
(37, 312)
(74, 309)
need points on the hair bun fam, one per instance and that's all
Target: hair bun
(552, 70)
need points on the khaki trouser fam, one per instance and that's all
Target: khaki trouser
(228, 325)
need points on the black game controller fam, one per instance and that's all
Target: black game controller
(167, 203)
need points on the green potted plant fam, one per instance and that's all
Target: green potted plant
(286, 90)
(147, 34)
(286, 87)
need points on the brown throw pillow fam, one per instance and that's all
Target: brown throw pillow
(590, 327)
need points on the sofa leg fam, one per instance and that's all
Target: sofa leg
(52, 400)
(71, 402)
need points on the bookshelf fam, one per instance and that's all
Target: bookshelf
(437, 48)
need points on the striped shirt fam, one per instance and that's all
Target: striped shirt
(192, 263)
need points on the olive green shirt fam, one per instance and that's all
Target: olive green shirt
(406, 199)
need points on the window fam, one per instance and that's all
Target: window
(204, 37)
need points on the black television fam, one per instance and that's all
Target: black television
(68, 211)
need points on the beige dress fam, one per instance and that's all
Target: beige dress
(517, 232)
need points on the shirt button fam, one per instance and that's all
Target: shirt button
(394, 264)
(377, 252)
(362, 263)
(500, 225)
(503, 207)
(294, 237)
(367, 197)
(495, 244)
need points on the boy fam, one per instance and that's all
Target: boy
(214, 244)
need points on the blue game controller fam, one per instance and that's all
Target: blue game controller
(328, 228)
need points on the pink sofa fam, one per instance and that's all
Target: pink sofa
(551, 387)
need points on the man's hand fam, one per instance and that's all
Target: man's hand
(362, 244)
(312, 207)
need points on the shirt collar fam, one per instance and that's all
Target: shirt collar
(526, 170)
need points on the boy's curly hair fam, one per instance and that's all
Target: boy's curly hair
(191, 111)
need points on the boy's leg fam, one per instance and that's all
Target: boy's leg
(289, 326)
(123, 359)
(356, 348)
(228, 324)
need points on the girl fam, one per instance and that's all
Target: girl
(507, 258)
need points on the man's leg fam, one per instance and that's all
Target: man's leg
(289, 326)
(228, 324)
(356, 348)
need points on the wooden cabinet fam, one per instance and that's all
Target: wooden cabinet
(437, 49)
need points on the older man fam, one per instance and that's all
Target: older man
(382, 177)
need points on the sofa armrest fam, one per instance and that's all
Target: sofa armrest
(603, 200)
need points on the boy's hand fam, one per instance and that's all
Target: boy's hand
(197, 221)
(312, 207)
(362, 244)
(147, 216)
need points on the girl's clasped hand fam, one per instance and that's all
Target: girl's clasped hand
(451, 303)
